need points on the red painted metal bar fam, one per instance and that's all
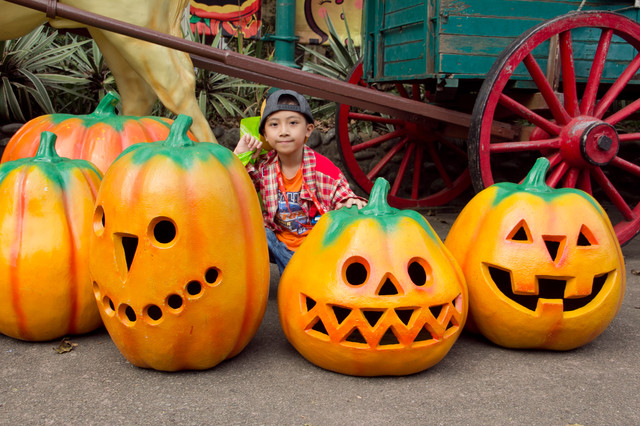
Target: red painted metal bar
(537, 145)
(571, 178)
(377, 141)
(591, 91)
(392, 152)
(617, 87)
(265, 72)
(417, 165)
(556, 108)
(613, 194)
(402, 169)
(569, 75)
(524, 112)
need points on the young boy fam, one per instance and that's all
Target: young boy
(297, 184)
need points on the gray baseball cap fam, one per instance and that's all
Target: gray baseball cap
(273, 105)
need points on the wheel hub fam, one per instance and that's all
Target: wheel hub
(587, 141)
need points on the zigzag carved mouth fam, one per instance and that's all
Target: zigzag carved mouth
(382, 327)
(548, 288)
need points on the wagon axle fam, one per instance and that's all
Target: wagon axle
(588, 142)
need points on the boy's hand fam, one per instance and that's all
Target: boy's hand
(350, 202)
(248, 143)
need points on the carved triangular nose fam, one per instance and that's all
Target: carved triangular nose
(388, 288)
(555, 246)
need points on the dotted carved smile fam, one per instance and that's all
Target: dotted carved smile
(383, 328)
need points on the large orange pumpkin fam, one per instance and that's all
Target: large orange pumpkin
(179, 255)
(372, 292)
(543, 266)
(98, 137)
(46, 211)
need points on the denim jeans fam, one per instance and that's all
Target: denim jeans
(279, 253)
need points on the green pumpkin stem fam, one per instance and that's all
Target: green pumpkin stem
(535, 179)
(107, 105)
(378, 205)
(178, 137)
(47, 148)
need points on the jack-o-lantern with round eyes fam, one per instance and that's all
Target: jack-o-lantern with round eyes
(372, 292)
(179, 258)
(544, 267)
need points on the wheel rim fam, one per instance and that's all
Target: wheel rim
(584, 132)
(424, 168)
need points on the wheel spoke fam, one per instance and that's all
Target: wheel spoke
(527, 114)
(613, 194)
(401, 90)
(377, 141)
(392, 152)
(617, 87)
(374, 118)
(415, 92)
(540, 145)
(455, 148)
(584, 181)
(417, 166)
(554, 159)
(571, 178)
(402, 169)
(625, 165)
(431, 149)
(568, 74)
(556, 175)
(591, 91)
(625, 112)
(629, 137)
(557, 110)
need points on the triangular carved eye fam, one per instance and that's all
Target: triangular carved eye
(520, 233)
(586, 238)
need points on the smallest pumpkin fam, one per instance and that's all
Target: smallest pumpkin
(46, 211)
(543, 265)
(372, 292)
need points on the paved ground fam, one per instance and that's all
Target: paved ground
(269, 383)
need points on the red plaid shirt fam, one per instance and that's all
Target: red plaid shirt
(320, 175)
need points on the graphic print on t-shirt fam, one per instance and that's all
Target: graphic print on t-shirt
(292, 217)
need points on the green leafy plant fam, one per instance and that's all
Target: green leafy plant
(343, 57)
(89, 78)
(27, 73)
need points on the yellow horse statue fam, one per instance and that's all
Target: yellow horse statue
(143, 71)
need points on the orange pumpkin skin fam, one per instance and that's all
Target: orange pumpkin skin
(179, 256)
(372, 292)
(98, 137)
(46, 212)
(544, 267)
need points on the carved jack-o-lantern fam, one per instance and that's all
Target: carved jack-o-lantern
(543, 266)
(179, 257)
(372, 292)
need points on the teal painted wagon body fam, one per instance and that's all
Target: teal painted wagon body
(414, 40)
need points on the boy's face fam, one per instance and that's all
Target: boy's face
(286, 131)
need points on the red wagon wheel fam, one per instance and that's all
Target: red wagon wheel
(425, 168)
(584, 126)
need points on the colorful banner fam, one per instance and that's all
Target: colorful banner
(311, 17)
(229, 16)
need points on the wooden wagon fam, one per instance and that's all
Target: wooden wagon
(458, 92)
(539, 78)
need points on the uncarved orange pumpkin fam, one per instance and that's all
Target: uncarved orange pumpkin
(544, 267)
(98, 137)
(179, 256)
(46, 211)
